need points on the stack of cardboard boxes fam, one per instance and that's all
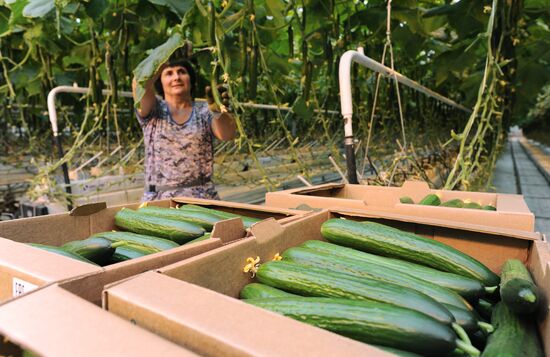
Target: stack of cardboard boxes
(189, 296)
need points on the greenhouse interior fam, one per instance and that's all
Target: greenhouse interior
(275, 178)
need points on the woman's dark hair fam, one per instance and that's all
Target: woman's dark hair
(174, 63)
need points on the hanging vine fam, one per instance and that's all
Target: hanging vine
(476, 159)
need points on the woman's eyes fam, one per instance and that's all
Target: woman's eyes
(180, 71)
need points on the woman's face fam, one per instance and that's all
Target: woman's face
(175, 81)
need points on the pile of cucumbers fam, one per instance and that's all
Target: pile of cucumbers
(401, 292)
(433, 200)
(147, 230)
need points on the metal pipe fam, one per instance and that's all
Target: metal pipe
(52, 112)
(346, 103)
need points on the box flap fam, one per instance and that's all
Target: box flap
(267, 230)
(229, 230)
(88, 209)
(53, 322)
(325, 186)
(215, 324)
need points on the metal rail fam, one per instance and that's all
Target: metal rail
(346, 103)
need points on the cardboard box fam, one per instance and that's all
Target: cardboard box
(23, 268)
(53, 322)
(512, 211)
(194, 303)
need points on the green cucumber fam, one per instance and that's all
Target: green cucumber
(247, 221)
(479, 339)
(317, 282)
(514, 335)
(131, 251)
(406, 200)
(204, 219)
(177, 231)
(257, 291)
(368, 321)
(138, 239)
(484, 308)
(200, 239)
(489, 208)
(471, 205)
(517, 288)
(377, 238)
(310, 257)
(396, 352)
(96, 249)
(468, 320)
(468, 288)
(61, 251)
(430, 200)
(455, 203)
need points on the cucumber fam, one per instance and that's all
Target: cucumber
(468, 320)
(177, 231)
(310, 257)
(247, 221)
(468, 288)
(484, 308)
(138, 239)
(257, 291)
(406, 200)
(309, 281)
(514, 335)
(60, 251)
(396, 352)
(131, 251)
(479, 339)
(204, 219)
(430, 200)
(489, 208)
(201, 238)
(517, 289)
(455, 203)
(368, 321)
(96, 249)
(384, 240)
(471, 205)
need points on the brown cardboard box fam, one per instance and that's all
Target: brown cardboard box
(512, 211)
(23, 268)
(53, 322)
(193, 303)
(212, 324)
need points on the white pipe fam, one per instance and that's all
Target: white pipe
(52, 112)
(344, 71)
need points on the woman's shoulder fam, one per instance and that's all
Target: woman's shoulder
(201, 108)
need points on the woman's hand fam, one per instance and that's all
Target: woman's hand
(224, 95)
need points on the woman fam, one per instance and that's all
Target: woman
(178, 134)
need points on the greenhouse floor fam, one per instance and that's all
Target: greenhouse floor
(524, 168)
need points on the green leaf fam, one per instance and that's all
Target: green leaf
(72, 60)
(276, 8)
(150, 66)
(301, 109)
(96, 8)
(38, 8)
(179, 7)
(4, 21)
